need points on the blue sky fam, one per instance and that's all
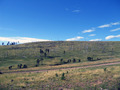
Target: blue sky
(69, 20)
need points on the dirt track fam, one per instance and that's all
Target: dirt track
(107, 64)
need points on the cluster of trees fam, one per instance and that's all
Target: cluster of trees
(38, 61)
(69, 61)
(91, 59)
(19, 66)
(22, 66)
(10, 43)
(44, 52)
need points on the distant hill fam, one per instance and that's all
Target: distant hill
(66, 50)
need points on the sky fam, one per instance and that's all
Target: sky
(59, 20)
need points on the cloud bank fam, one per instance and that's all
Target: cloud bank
(75, 38)
(21, 39)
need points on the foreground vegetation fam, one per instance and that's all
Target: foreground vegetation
(79, 79)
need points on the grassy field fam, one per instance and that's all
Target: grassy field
(72, 65)
(106, 77)
(29, 53)
(74, 79)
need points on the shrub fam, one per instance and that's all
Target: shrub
(1, 73)
(105, 69)
(67, 72)
(12, 80)
(36, 65)
(98, 58)
(63, 76)
(56, 75)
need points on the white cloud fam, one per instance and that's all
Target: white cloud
(75, 38)
(92, 34)
(109, 25)
(116, 23)
(115, 29)
(87, 31)
(103, 26)
(77, 11)
(21, 39)
(95, 39)
(112, 36)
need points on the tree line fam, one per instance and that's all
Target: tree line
(10, 43)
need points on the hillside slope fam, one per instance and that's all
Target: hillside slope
(66, 50)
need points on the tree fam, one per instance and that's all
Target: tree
(41, 51)
(74, 60)
(61, 60)
(2, 43)
(45, 54)
(20, 65)
(10, 67)
(89, 58)
(64, 52)
(47, 50)
(8, 43)
(1, 73)
(24, 66)
(36, 65)
(38, 61)
(68, 60)
(79, 60)
(12, 43)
